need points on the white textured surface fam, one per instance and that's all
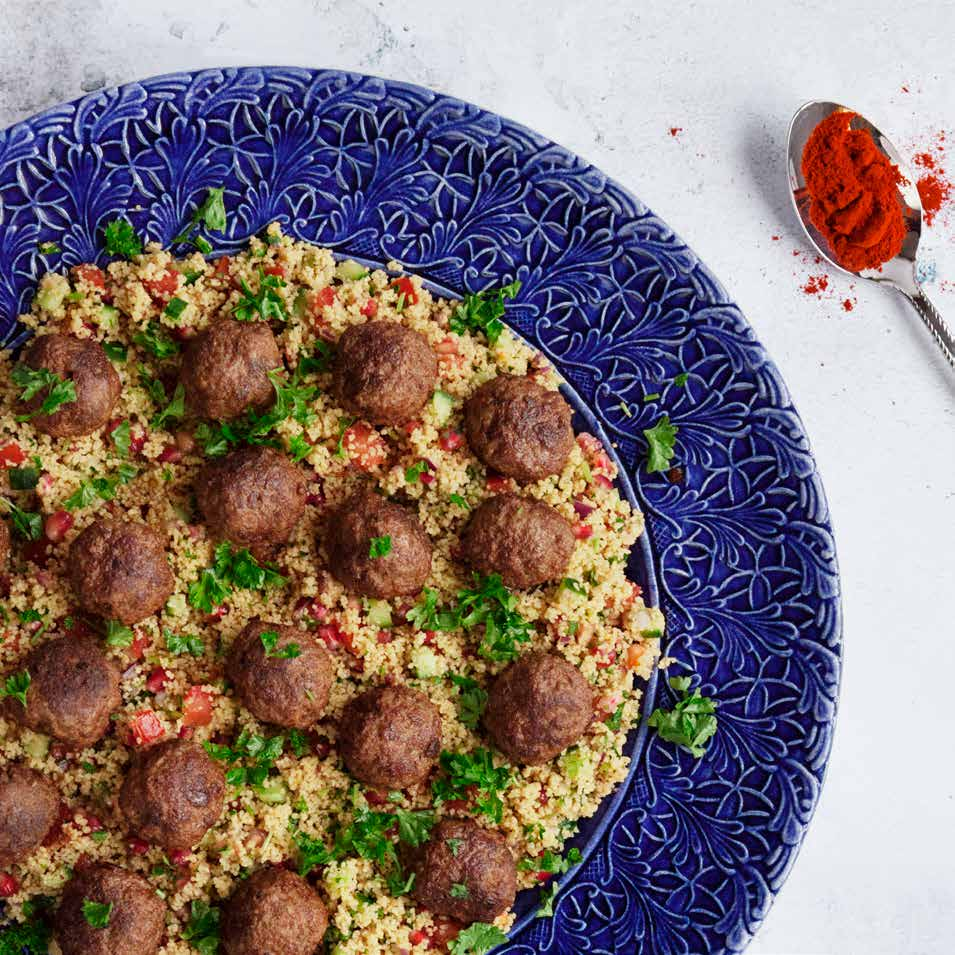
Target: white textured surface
(608, 80)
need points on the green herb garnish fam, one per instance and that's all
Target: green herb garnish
(231, 569)
(97, 913)
(269, 640)
(175, 307)
(475, 769)
(482, 312)
(156, 341)
(661, 438)
(266, 303)
(48, 248)
(472, 698)
(32, 381)
(115, 351)
(379, 547)
(23, 479)
(211, 214)
(28, 524)
(120, 239)
(477, 939)
(692, 721)
(16, 685)
(102, 488)
(118, 635)
(174, 411)
(202, 931)
(184, 643)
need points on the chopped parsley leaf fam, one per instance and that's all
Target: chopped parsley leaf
(121, 438)
(174, 411)
(472, 698)
(415, 471)
(459, 500)
(156, 341)
(266, 303)
(299, 743)
(16, 686)
(661, 438)
(299, 447)
(459, 890)
(270, 638)
(231, 569)
(692, 721)
(27, 524)
(48, 248)
(202, 930)
(477, 939)
(615, 720)
(32, 381)
(681, 379)
(379, 547)
(574, 586)
(103, 488)
(475, 769)
(482, 312)
(184, 643)
(454, 845)
(211, 214)
(115, 351)
(120, 239)
(97, 914)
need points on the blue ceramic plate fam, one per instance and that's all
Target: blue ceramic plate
(687, 855)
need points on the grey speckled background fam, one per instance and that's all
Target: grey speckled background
(610, 80)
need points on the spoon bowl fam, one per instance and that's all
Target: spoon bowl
(899, 272)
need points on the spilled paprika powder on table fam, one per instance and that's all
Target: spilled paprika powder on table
(853, 191)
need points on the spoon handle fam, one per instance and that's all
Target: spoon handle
(934, 322)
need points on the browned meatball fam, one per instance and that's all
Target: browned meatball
(519, 428)
(524, 540)
(119, 570)
(137, 919)
(287, 684)
(537, 707)
(274, 912)
(252, 497)
(225, 369)
(94, 378)
(173, 794)
(462, 853)
(390, 737)
(74, 688)
(383, 372)
(29, 806)
(405, 547)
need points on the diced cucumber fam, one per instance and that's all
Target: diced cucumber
(300, 305)
(109, 318)
(273, 791)
(36, 744)
(51, 293)
(350, 271)
(379, 613)
(426, 662)
(176, 605)
(443, 406)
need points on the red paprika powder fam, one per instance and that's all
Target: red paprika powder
(853, 188)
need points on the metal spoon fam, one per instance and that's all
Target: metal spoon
(900, 272)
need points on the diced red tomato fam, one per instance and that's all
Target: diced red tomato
(603, 480)
(323, 298)
(8, 885)
(145, 728)
(385, 636)
(197, 707)
(583, 531)
(276, 269)
(164, 287)
(223, 264)
(447, 347)
(635, 653)
(91, 275)
(180, 856)
(451, 440)
(137, 847)
(496, 483)
(170, 454)
(417, 936)
(443, 931)
(404, 286)
(140, 644)
(11, 456)
(156, 680)
(370, 308)
(332, 634)
(56, 525)
(543, 876)
(365, 447)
